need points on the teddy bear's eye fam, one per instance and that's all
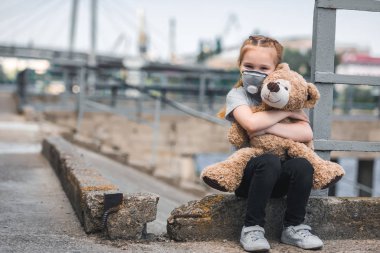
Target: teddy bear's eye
(286, 88)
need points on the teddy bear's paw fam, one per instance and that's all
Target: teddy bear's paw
(331, 183)
(328, 176)
(214, 184)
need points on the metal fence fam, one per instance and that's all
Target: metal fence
(324, 28)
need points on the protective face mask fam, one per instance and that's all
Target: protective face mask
(252, 80)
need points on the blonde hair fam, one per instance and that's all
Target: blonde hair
(257, 41)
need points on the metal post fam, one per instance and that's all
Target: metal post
(202, 91)
(378, 104)
(376, 178)
(113, 95)
(73, 24)
(172, 38)
(140, 98)
(164, 83)
(81, 98)
(323, 52)
(92, 57)
(156, 131)
(349, 101)
(67, 82)
(211, 95)
(22, 81)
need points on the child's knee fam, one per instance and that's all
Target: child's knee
(268, 164)
(303, 167)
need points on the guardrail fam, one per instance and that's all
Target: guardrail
(323, 52)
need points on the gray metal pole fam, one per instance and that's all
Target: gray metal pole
(202, 92)
(81, 98)
(92, 57)
(73, 24)
(94, 6)
(156, 131)
(66, 81)
(324, 26)
(140, 98)
(172, 38)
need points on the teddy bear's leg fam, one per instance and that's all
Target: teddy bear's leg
(326, 173)
(227, 175)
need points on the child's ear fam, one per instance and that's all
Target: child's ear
(283, 66)
(312, 95)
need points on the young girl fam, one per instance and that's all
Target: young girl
(267, 176)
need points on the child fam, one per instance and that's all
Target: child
(267, 176)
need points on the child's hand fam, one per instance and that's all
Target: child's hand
(299, 115)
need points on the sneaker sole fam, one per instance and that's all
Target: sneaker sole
(255, 250)
(285, 241)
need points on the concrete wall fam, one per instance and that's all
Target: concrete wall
(220, 217)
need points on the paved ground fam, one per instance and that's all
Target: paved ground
(36, 216)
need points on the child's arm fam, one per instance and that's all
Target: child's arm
(298, 131)
(253, 123)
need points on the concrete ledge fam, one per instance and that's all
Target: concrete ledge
(219, 217)
(85, 187)
(97, 147)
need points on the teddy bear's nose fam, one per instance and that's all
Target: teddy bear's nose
(273, 87)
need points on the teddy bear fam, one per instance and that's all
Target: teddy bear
(283, 89)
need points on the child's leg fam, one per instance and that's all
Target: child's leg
(260, 176)
(300, 173)
(300, 180)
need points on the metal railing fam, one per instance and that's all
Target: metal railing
(324, 28)
(157, 94)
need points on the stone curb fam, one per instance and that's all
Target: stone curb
(115, 155)
(221, 216)
(85, 188)
(122, 158)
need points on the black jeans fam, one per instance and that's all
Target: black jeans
(267, 176)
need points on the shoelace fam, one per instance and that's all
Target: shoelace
(304, 233)
(256, 235)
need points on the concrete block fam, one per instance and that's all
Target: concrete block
(85, 188)
(130, 221)
(221, 216)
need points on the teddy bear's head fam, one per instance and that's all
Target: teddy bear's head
(287, 90)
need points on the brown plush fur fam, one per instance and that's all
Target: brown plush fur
(227, 175)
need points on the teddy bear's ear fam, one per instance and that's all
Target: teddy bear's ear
(312, 95)
(283, 66)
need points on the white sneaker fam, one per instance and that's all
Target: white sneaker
(300, 236)
(252, 239)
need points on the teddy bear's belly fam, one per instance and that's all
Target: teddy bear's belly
(270, 144)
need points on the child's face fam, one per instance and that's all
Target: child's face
(261, 59)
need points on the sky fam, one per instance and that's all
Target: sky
(44, 23)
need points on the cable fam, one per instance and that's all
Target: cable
(108, 19)
(27, 22)
(22, 12)
(42, 25)
(156, 34)
(157, 31)
(125, 28)
(53, 36)
(124, 25)
(6, 11)
(125, 17)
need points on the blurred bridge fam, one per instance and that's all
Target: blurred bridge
(59, 57)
